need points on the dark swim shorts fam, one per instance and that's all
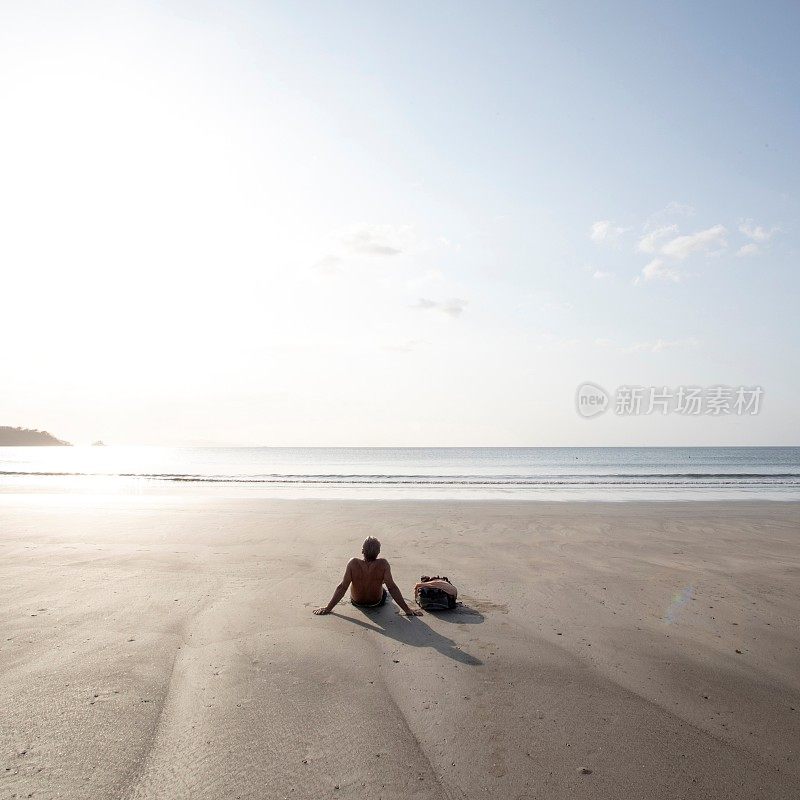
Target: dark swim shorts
(372, 605)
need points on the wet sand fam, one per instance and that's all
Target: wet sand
(164, 647)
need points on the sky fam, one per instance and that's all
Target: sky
(256, 223)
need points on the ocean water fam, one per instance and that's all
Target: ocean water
(551, 473)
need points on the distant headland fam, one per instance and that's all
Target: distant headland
(27, 437)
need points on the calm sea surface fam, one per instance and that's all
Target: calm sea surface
(568, 473)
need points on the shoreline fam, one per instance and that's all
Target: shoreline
(211, 491)
(551, 474)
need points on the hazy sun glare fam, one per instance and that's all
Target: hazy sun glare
(249, 225)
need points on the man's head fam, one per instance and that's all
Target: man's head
(371, 548)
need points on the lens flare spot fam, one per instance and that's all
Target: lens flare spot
(679, 600)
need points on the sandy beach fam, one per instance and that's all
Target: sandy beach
(164, 647)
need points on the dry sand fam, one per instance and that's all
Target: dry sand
(164, 647)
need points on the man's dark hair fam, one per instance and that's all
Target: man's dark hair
(371, 548)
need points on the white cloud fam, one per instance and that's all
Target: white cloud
(605, 230)
(756, 232)
(452, 307)
(649, 242)
(751, 249)
(661, 344)
(682, 247)
(666, 216)
(377, 240)
(661, 238)
(657, 270)
(367, 241)
(600, 275)
(556, 305)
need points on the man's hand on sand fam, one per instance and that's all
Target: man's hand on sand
(321, 610)
(412, 612)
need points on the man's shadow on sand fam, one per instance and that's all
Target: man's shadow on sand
(415, 632)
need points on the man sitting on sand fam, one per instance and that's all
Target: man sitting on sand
(366, 577)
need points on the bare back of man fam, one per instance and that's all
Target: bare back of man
(366, 577)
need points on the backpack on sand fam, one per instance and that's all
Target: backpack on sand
(435, 594)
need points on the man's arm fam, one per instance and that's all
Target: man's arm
(397, 595)
(339, 593)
